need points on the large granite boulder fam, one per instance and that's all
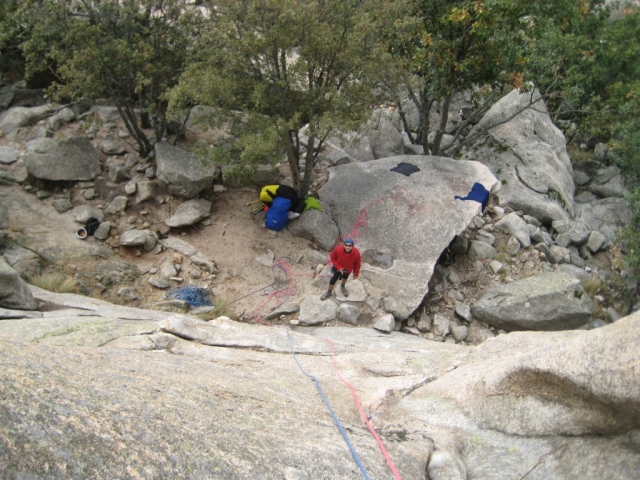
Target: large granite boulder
(189, 213)
(182, 172)
(107, 383)
(526, 151)
(381, 138)
(316, 226)
(17, 117)
(549, 301)
(385, 134)
(14, 292)
(409, 219)
(59, 245)
(579, 382)
(72, 159)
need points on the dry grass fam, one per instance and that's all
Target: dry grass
(220, 309)
(576, 154)
(55, 282)
(592, 286)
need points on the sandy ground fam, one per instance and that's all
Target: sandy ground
(236, 241)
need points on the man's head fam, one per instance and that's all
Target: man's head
(348, 243)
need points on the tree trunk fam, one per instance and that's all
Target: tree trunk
(444, 116)
(129, 118)
(427, 102)
(293, 155)
(145, 119)
(308, 169)
(160, 121)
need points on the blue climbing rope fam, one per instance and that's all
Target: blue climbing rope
(194, 296)
(333, 415)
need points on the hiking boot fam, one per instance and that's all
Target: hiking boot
(326, 295)
(343, 290)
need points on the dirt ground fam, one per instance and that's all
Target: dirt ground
(235, 240)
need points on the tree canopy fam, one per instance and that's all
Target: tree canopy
(130, 51)
(490, 45)
(285, 65)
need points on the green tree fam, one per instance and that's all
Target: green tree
(484, 46)
(130, 51)
(449, 47)
(11, 30)
(285, 65)
(615, 116)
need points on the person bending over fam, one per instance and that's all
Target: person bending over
(345, 259)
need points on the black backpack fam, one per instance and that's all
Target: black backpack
(92, 225)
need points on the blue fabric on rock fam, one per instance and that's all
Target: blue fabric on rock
(405, 168)
(478, 193)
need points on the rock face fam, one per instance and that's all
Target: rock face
(222, 399)
(528, 155)
(549, 301)
(390, 212)
(14, 292)
(380, 139)
(181, 172)
(558, 383)
(68, 160)
(316, 226)
(17, 117)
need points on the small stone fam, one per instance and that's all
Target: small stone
(460, 333)
(496, 266)
(159, 282)
(131, 188)
(464, 311)
(386, 323)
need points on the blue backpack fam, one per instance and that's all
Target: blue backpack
(278, 214)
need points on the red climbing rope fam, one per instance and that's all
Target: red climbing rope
(280, 294)
(283, 293)
(364, 415)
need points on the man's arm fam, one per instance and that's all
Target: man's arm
(356, 270)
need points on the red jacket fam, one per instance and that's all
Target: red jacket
(351, 261)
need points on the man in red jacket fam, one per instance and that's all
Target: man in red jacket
(345, 259)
